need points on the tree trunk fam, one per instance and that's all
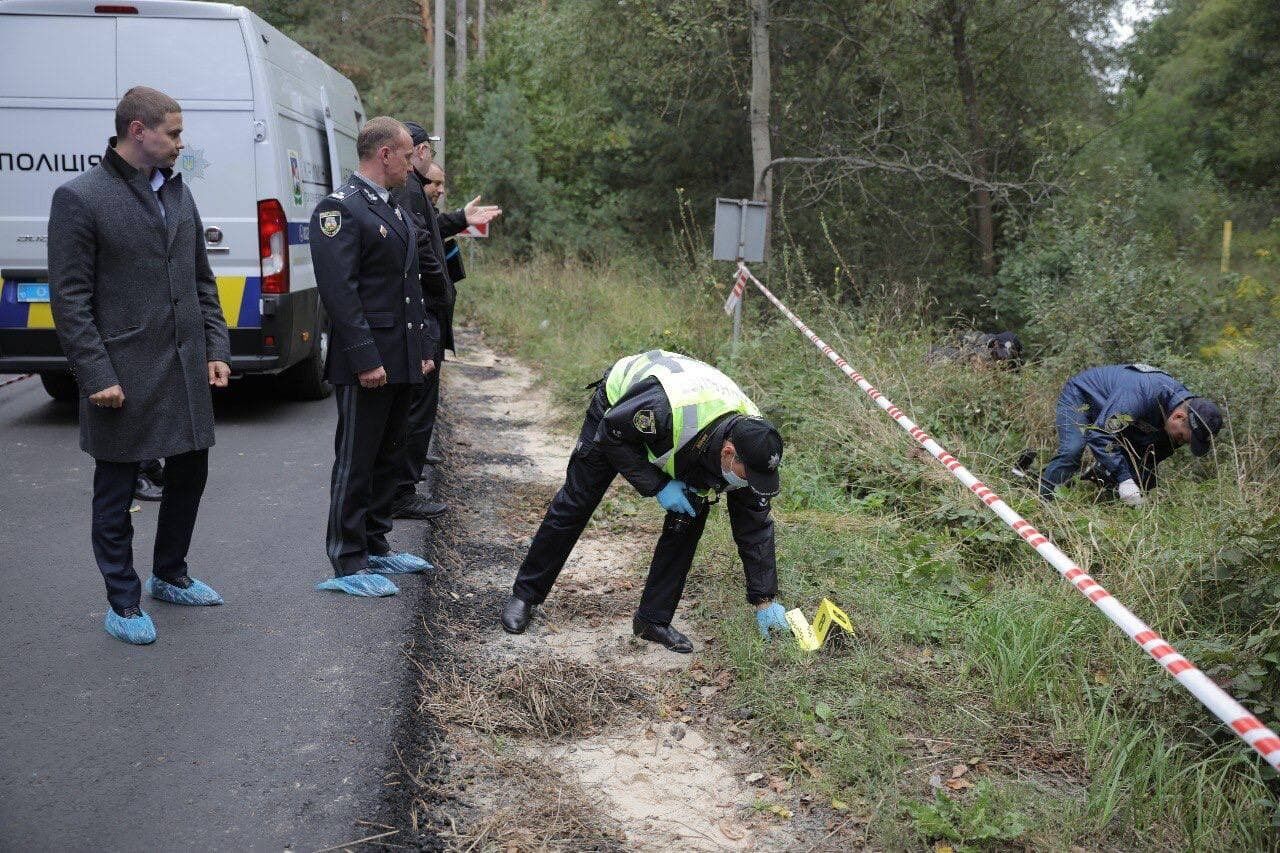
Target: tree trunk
(480, 51)
(982, 213)
(761, 151)
(437, 125)
(460, 40)
(428, 27)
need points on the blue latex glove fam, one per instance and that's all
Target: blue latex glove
(672, 498)
(772, 618)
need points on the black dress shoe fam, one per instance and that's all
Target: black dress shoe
(416, 506)
(433, 458)
(144, 489)
(665, 634)
(516, 614)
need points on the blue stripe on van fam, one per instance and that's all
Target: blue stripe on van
(250, 315)
(299, 233)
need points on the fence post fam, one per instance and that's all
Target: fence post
(1226, 246)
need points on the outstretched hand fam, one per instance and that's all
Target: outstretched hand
(479, 214)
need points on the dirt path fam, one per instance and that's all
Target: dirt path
(574, 735)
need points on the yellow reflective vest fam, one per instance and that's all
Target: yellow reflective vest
(697, 392)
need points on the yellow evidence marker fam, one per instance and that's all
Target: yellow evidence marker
(813, 637)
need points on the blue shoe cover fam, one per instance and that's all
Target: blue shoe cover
(139, 630)
(398, 563)
(362, 583)
(199, 594)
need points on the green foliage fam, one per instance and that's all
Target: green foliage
(976, 822)
(1206, 81)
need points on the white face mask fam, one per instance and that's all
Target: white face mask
(734, 481)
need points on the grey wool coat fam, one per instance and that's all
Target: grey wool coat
(135, 304)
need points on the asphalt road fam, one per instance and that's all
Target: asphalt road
(262, 724)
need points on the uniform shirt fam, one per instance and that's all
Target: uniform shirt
(640, 422)
(383, 192)
(1125, 407)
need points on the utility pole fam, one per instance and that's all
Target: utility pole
(480, 51)
(761, 151)
(437, 124)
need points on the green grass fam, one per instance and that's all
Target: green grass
(968, 646)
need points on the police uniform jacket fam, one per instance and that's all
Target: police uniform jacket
(366, 266)
(135, 304)
(1123, 408)
(437, 287)
(640, 422)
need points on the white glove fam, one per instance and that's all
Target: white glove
(1130, 493)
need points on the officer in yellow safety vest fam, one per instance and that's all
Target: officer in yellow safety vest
(682, 432)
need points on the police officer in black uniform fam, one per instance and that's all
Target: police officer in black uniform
(439, 294)
(364, 249)
(717, 444)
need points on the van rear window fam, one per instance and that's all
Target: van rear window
(57, 57)
(189, 60)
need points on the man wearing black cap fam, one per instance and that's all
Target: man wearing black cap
(682, 432)
(1131, 417)
(439, 293)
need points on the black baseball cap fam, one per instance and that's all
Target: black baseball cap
(1205, 419)
(419, 134)
(760, 448)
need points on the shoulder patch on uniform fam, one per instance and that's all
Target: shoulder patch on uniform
(330, 222)
(645, 422)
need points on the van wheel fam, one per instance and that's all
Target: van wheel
(305, 380)
(61, 386)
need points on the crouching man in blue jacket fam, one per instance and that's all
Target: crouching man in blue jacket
(1132, 417)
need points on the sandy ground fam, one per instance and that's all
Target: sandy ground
(639, 775)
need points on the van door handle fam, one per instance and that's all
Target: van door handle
(217, 250)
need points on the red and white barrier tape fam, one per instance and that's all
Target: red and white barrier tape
(16, 379)
(1248, 727)
(735, 295)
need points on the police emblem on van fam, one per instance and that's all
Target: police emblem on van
(330, 222)
(192, 163)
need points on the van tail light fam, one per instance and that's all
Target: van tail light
(273, 246)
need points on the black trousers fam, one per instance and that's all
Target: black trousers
(112, 530)
(422, 422)
(587, 478)
(368, 457)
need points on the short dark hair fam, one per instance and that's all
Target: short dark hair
(144, 104)
(377, 132)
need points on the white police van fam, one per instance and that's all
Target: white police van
(269, 131)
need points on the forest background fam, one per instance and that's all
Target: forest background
(994, 164)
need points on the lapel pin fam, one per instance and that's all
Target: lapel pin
(382, 229)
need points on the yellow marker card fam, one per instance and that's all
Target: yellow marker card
(813, 637)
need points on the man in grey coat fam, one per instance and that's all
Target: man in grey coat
(136, 308)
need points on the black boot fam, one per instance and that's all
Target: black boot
(416, 506)
(145, 489)
(664, 634)
(516, 614)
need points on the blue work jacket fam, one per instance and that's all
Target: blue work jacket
(1123, 408)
